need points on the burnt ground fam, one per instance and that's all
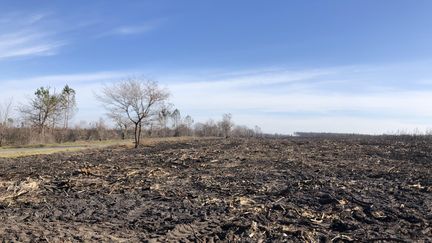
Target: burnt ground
(250, 190)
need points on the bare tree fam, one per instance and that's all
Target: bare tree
(122, 122)
(258, 132)
(207, 129)
(5, 111)
(188, 121)
(242, 131)
(163, 116)
(226, 125)
(5, 119)
(176, 119)
(136, 99)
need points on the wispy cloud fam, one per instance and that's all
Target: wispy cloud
(340, 99)
(25, 35)
(277, 99)
(23, 18)
(30, 34)
(133, 29)
(28, 43)
(23, 85)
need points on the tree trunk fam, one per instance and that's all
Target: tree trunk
(125, 131)
(66, 121)
(139, 133)
(136, 135)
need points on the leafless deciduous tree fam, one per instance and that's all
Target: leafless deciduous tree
(188, 121)
(163, 117)
(5, 119)
(136, 99)
(176, 119)
(122, 122)
(258, 132)
(226, 125)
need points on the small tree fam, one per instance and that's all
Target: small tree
(257, 131)
(188, 121)
(68, 104)
(136, 99)
(5, 119)
(176, 119)
(226, 125)
(163, 117)
(210, 128)
(41, 109)
(123, 123)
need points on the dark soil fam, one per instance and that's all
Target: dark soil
(290, 190)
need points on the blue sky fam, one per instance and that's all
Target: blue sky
(337, 66)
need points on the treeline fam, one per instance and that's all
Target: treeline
(135, 109)
(399, 135)
(328, 135)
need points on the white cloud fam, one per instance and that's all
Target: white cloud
(23, 18)
(398, 103)
(133, 29)
(24, 35)
(130, 30)
(337, 123)
(278, 100)
(59, 79)
(286, 101)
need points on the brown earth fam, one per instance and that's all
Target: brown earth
(250, 190)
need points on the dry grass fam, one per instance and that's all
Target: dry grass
(14, 152)
(25, 190)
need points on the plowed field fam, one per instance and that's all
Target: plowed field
(254, 190)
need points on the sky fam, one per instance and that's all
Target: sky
(352, 66)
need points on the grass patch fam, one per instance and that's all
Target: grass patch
(37, 149)
(22, 152)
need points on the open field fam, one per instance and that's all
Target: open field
(37, 149)
(20, 151)
(208, 190)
